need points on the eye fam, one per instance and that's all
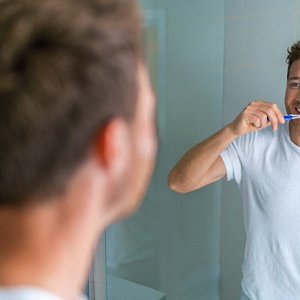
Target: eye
(295, 85)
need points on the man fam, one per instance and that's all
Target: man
(265, 162)
(77, 137)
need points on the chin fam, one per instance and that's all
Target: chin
(296, 124)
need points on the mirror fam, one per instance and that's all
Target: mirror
(208, 59)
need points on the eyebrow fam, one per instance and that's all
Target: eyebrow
(294, 78)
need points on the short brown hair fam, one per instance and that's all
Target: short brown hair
(66, 68)
(293, 54)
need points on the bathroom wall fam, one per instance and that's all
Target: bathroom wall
(257, 34)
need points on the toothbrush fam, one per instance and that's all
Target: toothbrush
(291, 117)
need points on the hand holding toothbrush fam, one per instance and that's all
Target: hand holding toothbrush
(257, 115)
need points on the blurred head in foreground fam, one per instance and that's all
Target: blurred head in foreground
(77, 134)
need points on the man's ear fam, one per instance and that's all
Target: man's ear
(112, 145)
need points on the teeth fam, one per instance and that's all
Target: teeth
(298, 110)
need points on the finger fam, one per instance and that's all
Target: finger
(275, 117)
(256, 116)
(271, 110)
(254, 120)
(263, 118)
(274, 113)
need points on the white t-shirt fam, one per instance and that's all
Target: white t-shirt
(29, 293)
(266, 166)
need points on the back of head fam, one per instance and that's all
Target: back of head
(66, 68)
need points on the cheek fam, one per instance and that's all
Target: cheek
(147, 144)
(145, 154)
(289, 96)
(145, 137)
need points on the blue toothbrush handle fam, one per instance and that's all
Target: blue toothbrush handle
(289, 117)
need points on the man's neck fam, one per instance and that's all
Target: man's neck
(51, 245)
(40, 257)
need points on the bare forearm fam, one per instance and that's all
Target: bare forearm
(202, 164)
(191, 170)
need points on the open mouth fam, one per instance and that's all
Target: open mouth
(297, 109)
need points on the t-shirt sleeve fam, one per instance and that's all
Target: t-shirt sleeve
(235, 155)
(228, 164)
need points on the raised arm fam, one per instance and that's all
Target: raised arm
(202, 164)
